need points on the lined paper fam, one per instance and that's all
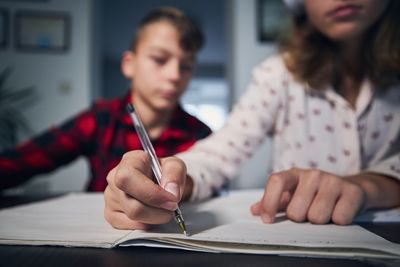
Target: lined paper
(222, 224)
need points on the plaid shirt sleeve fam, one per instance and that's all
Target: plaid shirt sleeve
(102, 135)
(49, 150)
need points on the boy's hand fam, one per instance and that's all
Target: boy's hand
(312, 195)
(133, 200)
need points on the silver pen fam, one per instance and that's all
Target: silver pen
(155, 164)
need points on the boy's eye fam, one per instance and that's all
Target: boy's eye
(159, 60)
(183, 66)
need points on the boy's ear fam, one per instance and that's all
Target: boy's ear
(127, 64)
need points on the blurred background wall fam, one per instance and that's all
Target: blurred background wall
(100, 31)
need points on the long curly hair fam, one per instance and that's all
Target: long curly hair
(312, 57)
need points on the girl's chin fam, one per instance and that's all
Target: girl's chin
(344, 35)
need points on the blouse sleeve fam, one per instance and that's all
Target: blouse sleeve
(215, 160)
(390, 167)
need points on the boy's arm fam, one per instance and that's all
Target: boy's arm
(47, 151)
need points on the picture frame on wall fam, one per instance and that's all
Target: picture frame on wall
(272, 19)
(4, 28)
(39, 31)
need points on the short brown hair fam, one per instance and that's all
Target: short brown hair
(192, 38)
(311, 56)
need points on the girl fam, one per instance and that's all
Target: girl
(160, 65)
(330, 101)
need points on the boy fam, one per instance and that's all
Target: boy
(160, 65)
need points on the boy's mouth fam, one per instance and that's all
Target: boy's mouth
(169, 94)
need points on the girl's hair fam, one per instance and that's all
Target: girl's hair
(312, 58)
(192, 38)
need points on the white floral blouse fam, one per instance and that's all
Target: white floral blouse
(309, 129)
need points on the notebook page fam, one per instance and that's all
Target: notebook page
(71, 220)
(228, 219)
(218, 225)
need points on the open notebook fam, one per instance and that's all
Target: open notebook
(222, 224)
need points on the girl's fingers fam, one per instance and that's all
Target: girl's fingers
(285, 199)
(312, 195)
(322, 207)
(277, 184)
(256, 208)
(349, 204)
(306, 189)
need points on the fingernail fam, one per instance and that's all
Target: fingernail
(266, 218)
(173, 188)
(169, 206)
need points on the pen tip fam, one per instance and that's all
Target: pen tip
(130, 108)
(183, 228)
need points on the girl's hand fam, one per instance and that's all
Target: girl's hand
(133, 200)
(310, 195)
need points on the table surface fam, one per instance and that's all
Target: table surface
(142, 256)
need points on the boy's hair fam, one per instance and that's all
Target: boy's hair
(192, 39)
(312, 58)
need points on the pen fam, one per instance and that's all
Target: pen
(155, 164)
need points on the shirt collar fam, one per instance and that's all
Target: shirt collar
(363, 100)
(364, 97)
(173, 129)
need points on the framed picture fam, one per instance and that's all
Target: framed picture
(42, 31)
(28, 1)
(4, 26)
(272, 19)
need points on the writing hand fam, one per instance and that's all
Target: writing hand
(133, 200)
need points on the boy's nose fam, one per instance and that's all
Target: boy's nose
(173, 71)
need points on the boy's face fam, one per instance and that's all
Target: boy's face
(344, 20)
(159, 68)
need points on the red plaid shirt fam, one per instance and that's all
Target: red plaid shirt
(102, 134)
